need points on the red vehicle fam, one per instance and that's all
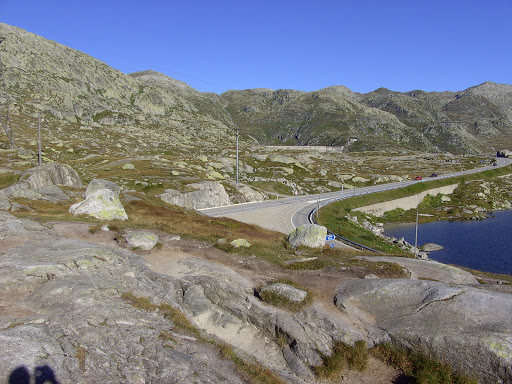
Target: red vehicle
(418, 178)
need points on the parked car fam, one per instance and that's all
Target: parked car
(433, 175)
(418, 178)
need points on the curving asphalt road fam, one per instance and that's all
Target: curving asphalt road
(286, 214)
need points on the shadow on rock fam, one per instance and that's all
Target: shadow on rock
(42, 375)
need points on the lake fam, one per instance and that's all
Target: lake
(484, 245)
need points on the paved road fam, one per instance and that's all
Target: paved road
(285, 214)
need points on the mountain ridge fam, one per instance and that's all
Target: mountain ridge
(75, 88)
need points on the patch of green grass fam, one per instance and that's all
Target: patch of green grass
(343, 356)
(178, 319)
(7, 179)
(419, 367)
(139, 302)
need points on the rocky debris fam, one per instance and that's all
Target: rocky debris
(428, 269)
(238, 243)
(431, 247)
(287, 291)
(144, 240)
(208, 194)
(101, 201)
(128, 166)
(308, 235)
(467, 328)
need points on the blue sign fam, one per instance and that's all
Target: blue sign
(329, 237)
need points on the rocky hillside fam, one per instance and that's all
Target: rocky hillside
(79, 91)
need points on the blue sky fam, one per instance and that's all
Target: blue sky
(215, 46)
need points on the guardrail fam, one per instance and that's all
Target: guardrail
(311, 218)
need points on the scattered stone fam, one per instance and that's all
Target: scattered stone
(128, 166)
(144, 240)
(292, 294)
(303, 260)
(240, 243)
(371, 276)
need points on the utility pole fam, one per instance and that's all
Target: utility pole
(237, 156)
(40, 157)
(416, 236)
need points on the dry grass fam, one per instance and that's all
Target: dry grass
(418, 367)
(343, 356)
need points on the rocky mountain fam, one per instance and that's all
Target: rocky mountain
(77, 90)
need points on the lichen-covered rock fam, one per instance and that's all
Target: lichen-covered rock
(238, 243)
(287, 291)
(208, 194)
(103, 204)
(308, 235)
(97, 184)
(144, 240)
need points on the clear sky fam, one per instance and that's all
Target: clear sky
(217, 45)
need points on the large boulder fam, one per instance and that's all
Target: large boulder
(144, 240)
(248, 194)
(468, 328)
(207, 194)
(40, 183)
(97, 184)
(103, 204)
(51, 174)
(308, 235)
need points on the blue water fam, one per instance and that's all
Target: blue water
(484, 245)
